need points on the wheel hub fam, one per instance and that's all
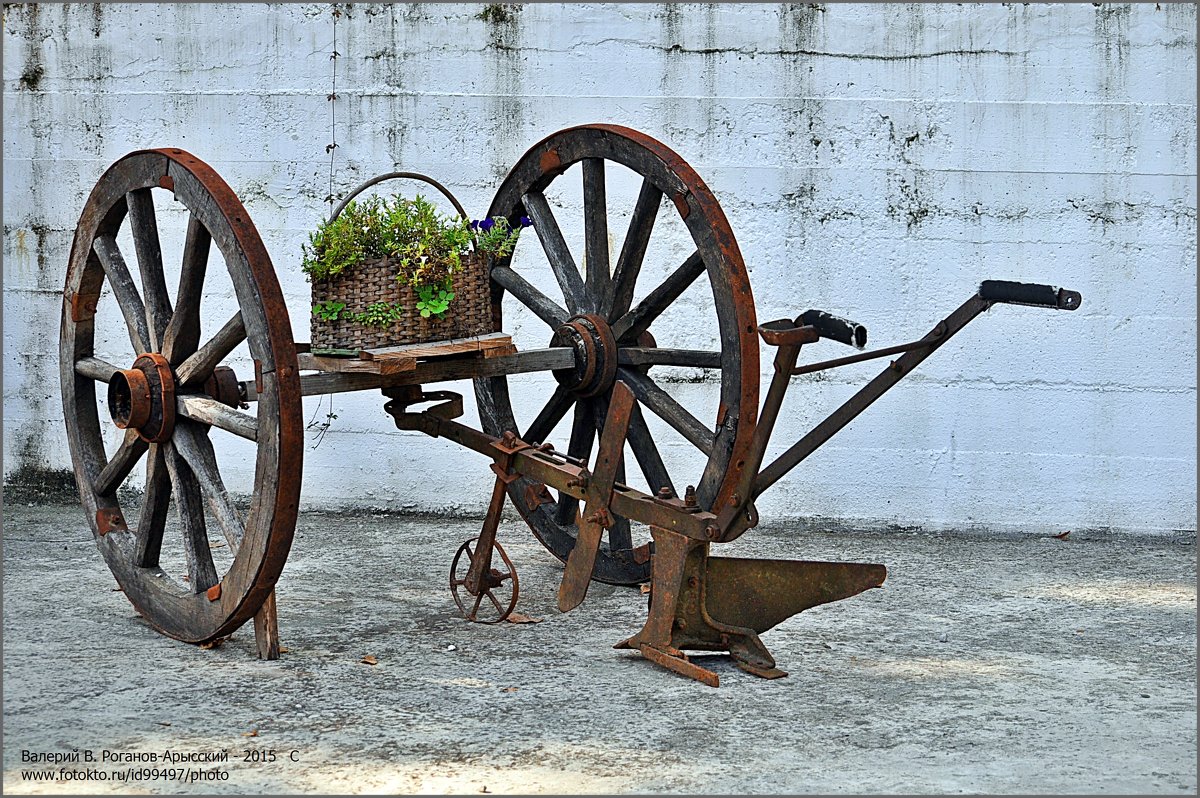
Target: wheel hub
(142, 398)
(595, 355)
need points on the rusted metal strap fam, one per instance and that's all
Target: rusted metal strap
(596, 512)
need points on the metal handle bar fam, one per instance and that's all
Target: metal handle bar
(739, 514)
(396, 176)
(1049, 296)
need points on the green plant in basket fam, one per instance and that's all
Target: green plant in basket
(434, 300)
(426, 248)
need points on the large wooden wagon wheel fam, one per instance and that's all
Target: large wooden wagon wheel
(613, 339)
(173, 399)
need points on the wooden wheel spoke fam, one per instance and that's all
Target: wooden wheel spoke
(144, 227)
(125, 291)
(95, 368)
(189, 505)
(583, 432)
(633, 250)
(197, 367)
(646, 453)
(197, 450)
(209, 411)
(153, 518)
(560, 402)
(638, 320)
(670, 411)
(595, 231)
(542, 306)
(557, 252)
(122, 462)
(182, 336)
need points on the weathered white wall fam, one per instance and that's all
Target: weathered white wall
(875, 161)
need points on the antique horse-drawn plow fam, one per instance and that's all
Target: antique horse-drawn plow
(175, 391)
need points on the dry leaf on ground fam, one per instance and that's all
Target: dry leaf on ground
(213, 643)
(516, 617)
(508, 689)
(251, 733)
(1062, 536)
(645, 589)
(369, 660)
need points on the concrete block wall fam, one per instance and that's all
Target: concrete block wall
(874, 161)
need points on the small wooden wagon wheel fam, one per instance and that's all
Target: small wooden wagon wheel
(172, 397)
(499, 586)
(611, 336)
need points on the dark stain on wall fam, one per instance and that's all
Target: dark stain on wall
(31, 480)
(31, 76)
(505, 47)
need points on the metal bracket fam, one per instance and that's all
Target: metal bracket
(83, 306)
(108, 520)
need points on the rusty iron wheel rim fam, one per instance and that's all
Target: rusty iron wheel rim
(667, 172)
(218, 219)
(503, 609)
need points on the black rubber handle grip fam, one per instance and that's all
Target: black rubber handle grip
(1046, 296)
(836, 328)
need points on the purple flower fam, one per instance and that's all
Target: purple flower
(487, 224)
(475, 225)
(526, 221)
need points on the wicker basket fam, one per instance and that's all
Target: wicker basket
(470, 311)
(374, 281)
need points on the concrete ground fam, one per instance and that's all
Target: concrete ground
(995, 665)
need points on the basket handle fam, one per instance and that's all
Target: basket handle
(396, 175)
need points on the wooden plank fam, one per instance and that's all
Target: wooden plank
(340, 365)
(439, 348)
(654, 356)
(446, 370)
(392, 360)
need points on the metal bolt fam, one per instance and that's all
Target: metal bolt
(712, 532)
(665, 492)
(693, 581)
(509, 438)
(689, 496)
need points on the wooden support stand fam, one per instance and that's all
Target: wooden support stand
(266, 629)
